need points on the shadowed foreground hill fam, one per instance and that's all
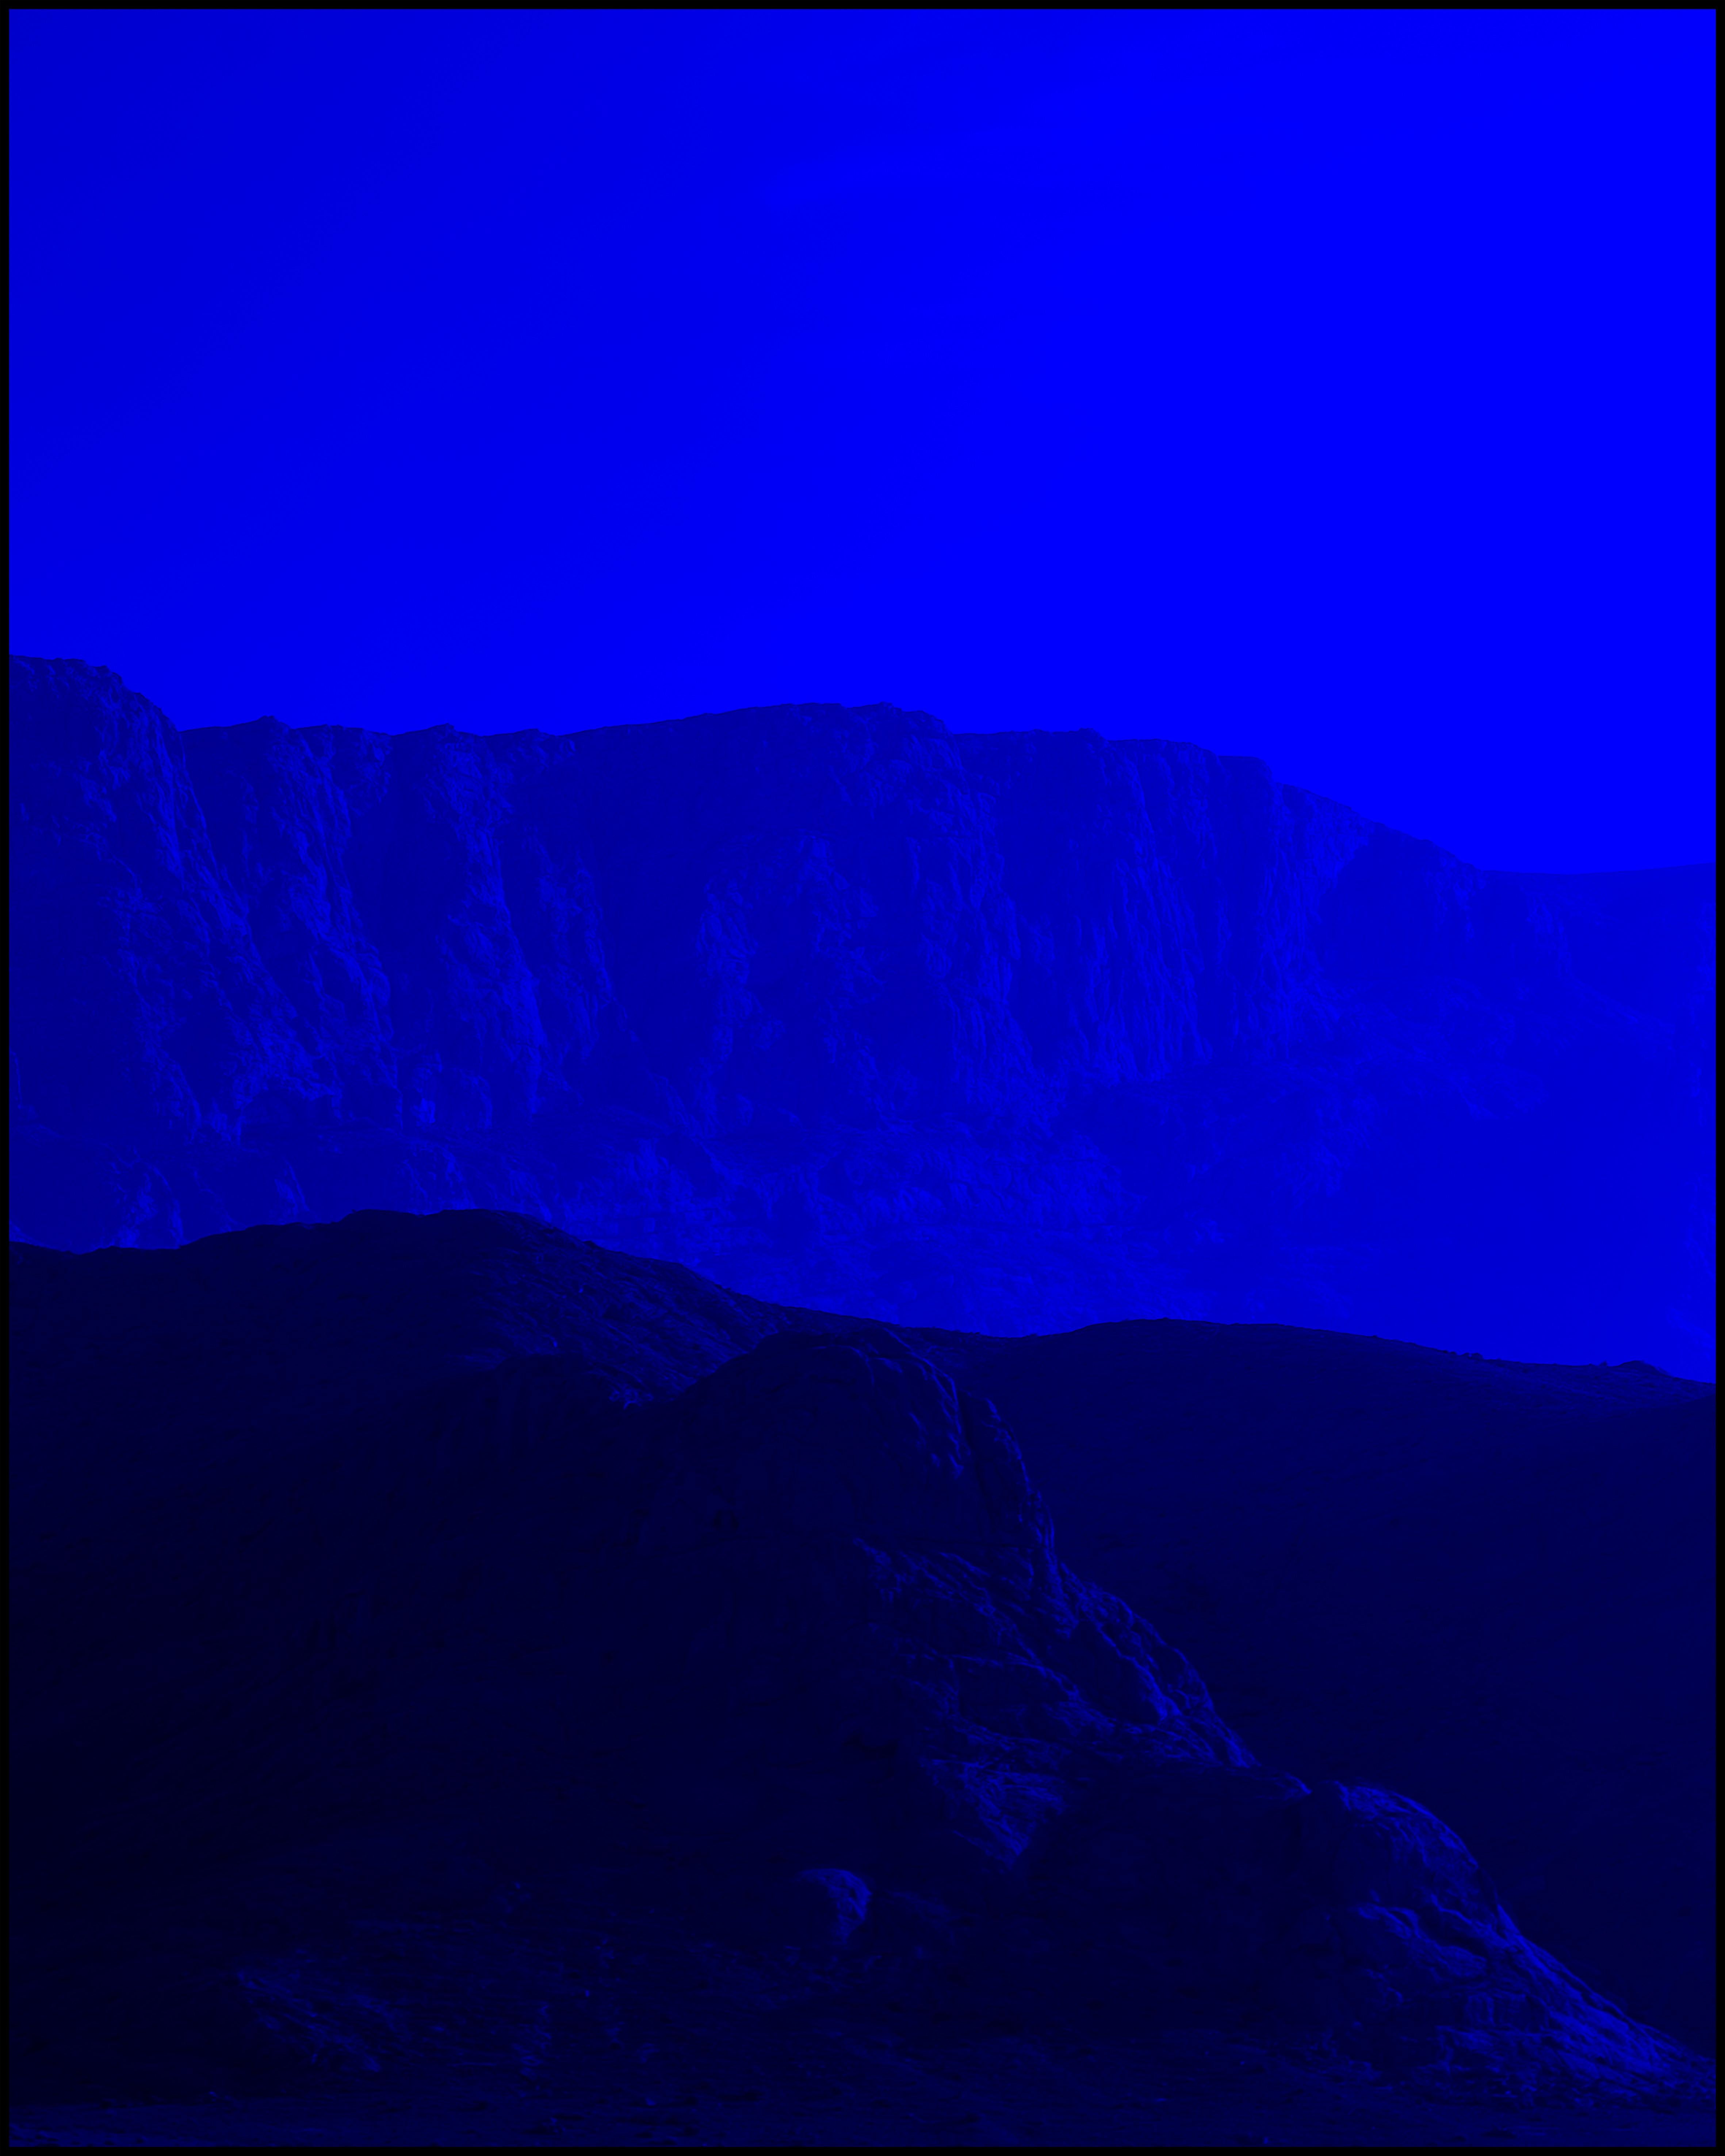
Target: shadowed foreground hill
(1013, 1032)
(378, 1582)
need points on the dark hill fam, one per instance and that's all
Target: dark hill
(375, 1579)
(1010, 1033)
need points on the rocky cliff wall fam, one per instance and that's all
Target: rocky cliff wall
(1010, 1032)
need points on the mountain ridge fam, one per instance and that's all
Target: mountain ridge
(1006, 1032)
(1389, 1565)
(414, 1606)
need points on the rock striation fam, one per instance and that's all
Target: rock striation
(1010, 1033)
(463, 1554)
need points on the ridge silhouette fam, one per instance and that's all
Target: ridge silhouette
(360, 1567)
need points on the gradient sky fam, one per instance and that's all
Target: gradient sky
(1329, 386)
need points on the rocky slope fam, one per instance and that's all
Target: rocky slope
(1009, 1033)
(372, 1578)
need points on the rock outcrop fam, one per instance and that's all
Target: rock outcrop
(1009, 1033)
(592, 1562)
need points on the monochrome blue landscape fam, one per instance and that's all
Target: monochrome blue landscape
(979, 1415)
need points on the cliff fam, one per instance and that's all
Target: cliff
(1009, 1033)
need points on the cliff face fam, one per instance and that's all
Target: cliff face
(1011, 1033)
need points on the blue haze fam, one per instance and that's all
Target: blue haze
(1329, 386)
(808, 795)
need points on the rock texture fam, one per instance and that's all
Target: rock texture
(1396, 1564)
(368, 1571)
(1009, 1033)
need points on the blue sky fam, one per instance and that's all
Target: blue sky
(1332, 386)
